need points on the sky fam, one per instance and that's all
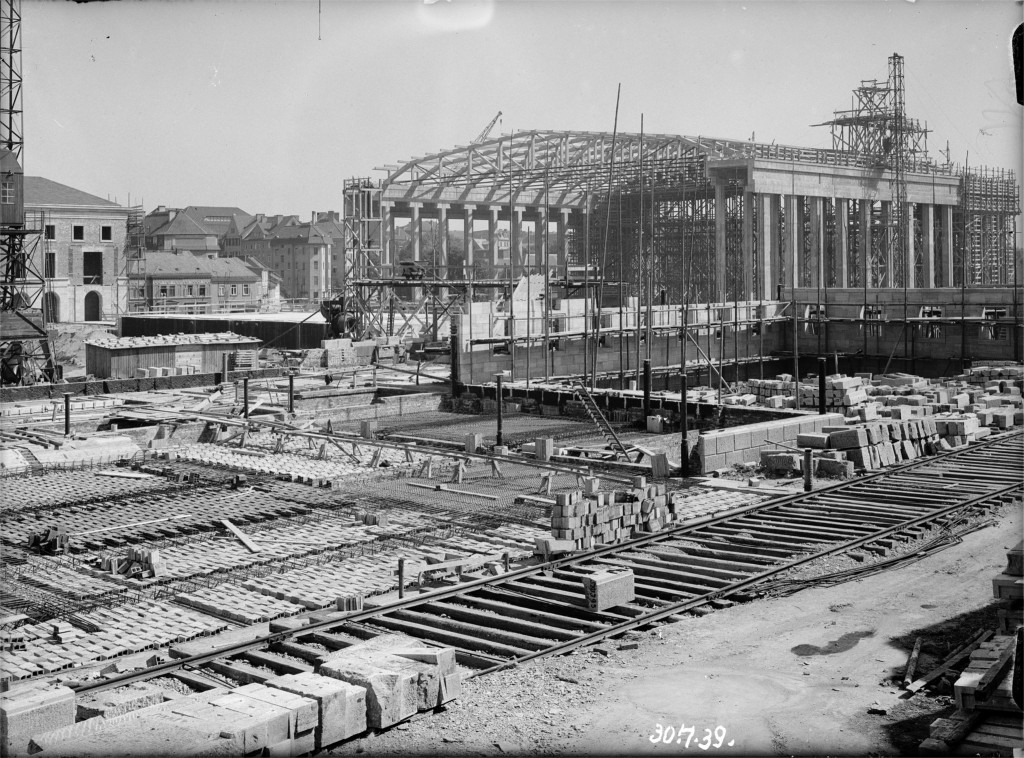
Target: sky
(270, 106)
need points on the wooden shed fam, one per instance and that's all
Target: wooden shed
(127, 357)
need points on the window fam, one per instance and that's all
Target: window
(191, 289)
(106, 233)
(50, 265)
(220, 290)
(316, 279)
(163, 290)
(234, 290)
(92, 267)
(78, 232)
(931, 331)
(872, 313)
(7, 192)
(51, 232)
(245, 290)
(316, 293)
(994, 331)
(202, 290)
(171, 291)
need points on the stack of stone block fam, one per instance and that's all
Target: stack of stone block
(604, 518)
(838, 450)
(374, 684)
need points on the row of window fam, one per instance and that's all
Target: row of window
(199, 290)
(78, 233)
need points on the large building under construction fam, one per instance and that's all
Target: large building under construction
(695, 248)
(656, 377)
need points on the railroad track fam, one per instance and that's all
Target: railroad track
(535, 611)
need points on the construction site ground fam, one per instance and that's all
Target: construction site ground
(811, 673)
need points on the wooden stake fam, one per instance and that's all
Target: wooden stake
(908, 675)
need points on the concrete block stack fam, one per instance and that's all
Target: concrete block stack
(604, 518)
(837, 449)
(985, 375)
(1008, 587)
(779, 392)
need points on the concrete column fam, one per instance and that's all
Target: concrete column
(389, 242)
(417, 232)
(908, 246)
(467, 242)
(841, 244)
(946, 220)
(887, 246)
(515, 239)
(815, 257)
(417, 242)
(793, 240)
(928, 243)
(720, 252)
(542, 240)
(748, 246)
(442, 231)
(864, 251)
(768, 243)
(492, 235)
(562, 224)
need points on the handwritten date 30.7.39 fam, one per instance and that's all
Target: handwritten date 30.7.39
(687, 736)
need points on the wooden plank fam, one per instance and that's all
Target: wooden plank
(446, 488)
(994, 675)
(242, 537)
(124, 474)
(949, 663)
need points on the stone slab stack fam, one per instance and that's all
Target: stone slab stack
(604, 518)
(399, 674)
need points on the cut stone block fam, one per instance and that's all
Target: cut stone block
(120, 701)
(607, 589)
(390, 692)
(27, 713)
(158, 734)
(342, 706)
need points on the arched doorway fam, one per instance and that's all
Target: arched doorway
(51, 307)
(93, 311)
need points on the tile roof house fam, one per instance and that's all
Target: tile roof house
(190, 281)
(197, 227)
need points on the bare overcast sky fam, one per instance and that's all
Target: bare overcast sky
(240, 103)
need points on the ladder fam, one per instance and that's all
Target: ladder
(598, 418)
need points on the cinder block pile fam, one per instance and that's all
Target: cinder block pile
(603, 518)
(123, 630)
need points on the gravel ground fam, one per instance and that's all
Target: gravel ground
(807, 674)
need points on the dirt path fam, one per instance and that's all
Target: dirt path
(793, 675)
